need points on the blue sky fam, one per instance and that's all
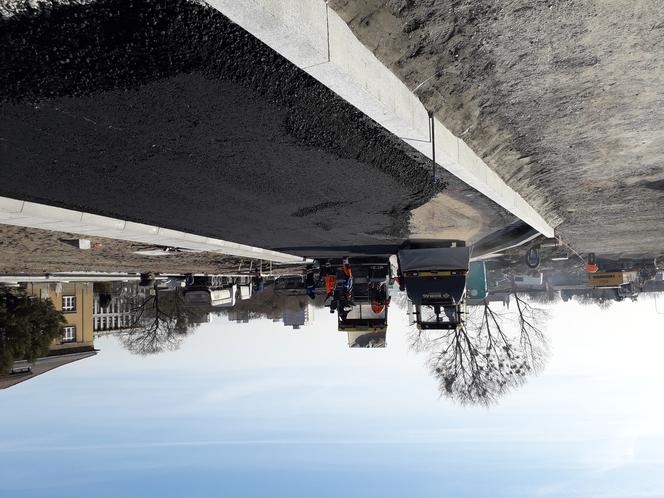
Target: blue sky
(253, 410)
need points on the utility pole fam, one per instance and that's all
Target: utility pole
(433, 145)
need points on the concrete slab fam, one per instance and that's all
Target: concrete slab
(33, 215)
(140, 229)
(101, 221)
(32, 209)
(364, 82)
(10, 206)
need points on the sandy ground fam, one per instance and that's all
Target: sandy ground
(444, 217)
(563, 99)
(25, 250)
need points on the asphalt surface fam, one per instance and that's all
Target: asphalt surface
(167, 113)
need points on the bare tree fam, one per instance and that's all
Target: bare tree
(159, 323)
(530, 323)
(489, 354)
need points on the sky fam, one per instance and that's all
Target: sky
(258, 409)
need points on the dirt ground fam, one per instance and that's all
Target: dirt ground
(443, 217)
(563, 99)
(27, 250)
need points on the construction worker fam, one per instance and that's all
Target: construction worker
(349, 279)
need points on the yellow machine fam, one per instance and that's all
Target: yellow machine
(611, 279)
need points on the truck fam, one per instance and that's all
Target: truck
(612, 279)
(217, 297)
(433, 273)
(361, 299)
(215, 291)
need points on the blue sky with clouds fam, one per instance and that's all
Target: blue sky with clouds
(254, 410)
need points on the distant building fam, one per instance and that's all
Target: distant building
(298, 318)
(239, 316)
(294, 318)
(75, 300)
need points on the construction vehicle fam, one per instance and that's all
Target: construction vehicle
(612, 279)
(360, 298)
(433, 274)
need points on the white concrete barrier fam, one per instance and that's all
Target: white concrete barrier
(41, 216)
(313, 37)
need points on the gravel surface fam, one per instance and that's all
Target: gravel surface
(563, 99)
(167, 113)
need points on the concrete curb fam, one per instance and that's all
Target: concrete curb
(33, 215)
(313, 37)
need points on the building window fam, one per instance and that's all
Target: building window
(68, 303)
(69, 334)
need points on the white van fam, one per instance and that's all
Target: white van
(212, 296)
